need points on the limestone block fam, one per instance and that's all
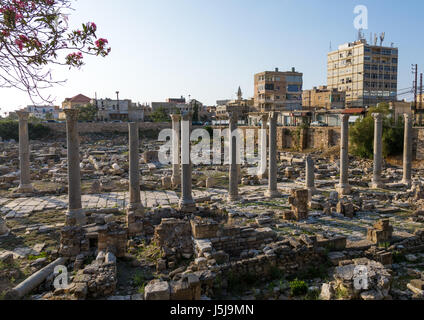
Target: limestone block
(157, 291)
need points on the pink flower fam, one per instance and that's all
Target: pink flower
(101, 43)
(20, 44)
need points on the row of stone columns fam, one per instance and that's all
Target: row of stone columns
(344, 187)
(76, 216)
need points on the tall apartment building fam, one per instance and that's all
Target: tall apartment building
(368, 73)
(279, 91)
(323, 98)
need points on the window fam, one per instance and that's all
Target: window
(293, 88)
(269, 86)
(395, 60)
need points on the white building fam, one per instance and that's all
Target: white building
(44, 112)
(124, 110)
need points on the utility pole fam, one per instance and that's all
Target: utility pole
(420, 100)
(415, 85)
(420, 104)
(117, 105)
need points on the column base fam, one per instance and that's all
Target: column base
(264, 175)
(233, 198)
(76, 217)
(272, 194)
(312, 191)
(407, 183)
(187, 206)
(28, 188)
(377, 185)
(344, 189)
(176, 181)
(136, 209)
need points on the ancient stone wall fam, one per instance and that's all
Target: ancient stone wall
(283, 256)
(100, 127)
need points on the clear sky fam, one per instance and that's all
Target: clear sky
(206, 49)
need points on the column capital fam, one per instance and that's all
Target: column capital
(273, 115)
(344, 117)
(187, 116)
(175, 117)
(71, 114)
(407, 117)
(264, 117)
(23, 115)
(233, 116)
(377, 116)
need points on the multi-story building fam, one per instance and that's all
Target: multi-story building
(279, 91)
(123, 110)
(181, 100)
(44, 112)
(79, 100)
(323, 98)
(242, 106)
(178, 105)
(368, 73)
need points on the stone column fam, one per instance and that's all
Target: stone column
(407, 152)
(135, 208)
(24, 154)
(378, 151)
(187, 203)
(310, 175)
(264, 151)
(272, 174)
(233, 194)
(344, 188)
(176, 172)
(75, 215)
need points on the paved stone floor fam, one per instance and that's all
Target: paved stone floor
(15, 208)
(253, 205)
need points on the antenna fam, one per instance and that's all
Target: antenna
(331, 47)
(382, 36)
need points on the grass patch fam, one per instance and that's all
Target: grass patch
(41, 255)
(141, 289)
(298, 288)
(139, 279)
(151, 252)
(342, 293)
